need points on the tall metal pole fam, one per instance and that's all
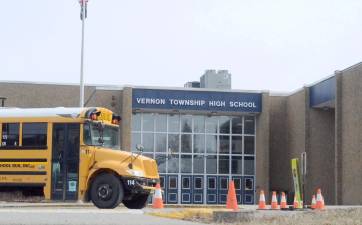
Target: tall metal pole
(81, 102)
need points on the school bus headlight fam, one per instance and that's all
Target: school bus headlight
(136, 173)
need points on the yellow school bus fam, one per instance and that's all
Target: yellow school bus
(73, 154)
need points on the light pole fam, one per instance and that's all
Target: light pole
(83, 16)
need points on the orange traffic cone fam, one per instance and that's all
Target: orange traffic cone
(262, 200)
(320, 201)
(157, 202)
(232, 202)
(274, 202)
(283, 202)
(296, 203)
(314, 202)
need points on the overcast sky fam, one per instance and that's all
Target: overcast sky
(277, 45)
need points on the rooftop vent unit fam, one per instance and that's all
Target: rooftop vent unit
(216, 79)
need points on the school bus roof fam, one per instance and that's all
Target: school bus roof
(42, 112)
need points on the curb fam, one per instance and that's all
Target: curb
(230, 217)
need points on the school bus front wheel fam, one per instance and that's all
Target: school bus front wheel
(106, 191)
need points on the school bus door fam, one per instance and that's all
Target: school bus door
(65, 161)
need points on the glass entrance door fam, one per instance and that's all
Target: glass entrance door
(172, 189)
(211, 190)
(223, 189)
(65, 161)
(249, 190)
(186, 185)
(198, 190)
(238, 188)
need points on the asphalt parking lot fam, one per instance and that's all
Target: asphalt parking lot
(87, 214)
(80, 216)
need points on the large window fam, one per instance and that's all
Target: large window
(197, 144)
(34, 134)
(186, 163)
(10, 134)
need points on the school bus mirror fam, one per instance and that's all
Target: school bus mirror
(140, 147)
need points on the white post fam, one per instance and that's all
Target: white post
(81, 102)
(304, 173)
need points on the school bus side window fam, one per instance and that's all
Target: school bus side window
(10, 134)
(34, 134)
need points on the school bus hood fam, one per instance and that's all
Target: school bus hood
(120, 161)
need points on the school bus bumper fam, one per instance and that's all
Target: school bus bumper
(139, 185)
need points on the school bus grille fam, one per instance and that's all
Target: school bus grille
(147, 182)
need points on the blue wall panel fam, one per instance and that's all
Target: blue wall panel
(322, 92)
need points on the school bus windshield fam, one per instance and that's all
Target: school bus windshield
(98, 134)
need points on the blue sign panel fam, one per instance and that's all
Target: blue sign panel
(196, 100)
(323, 92)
